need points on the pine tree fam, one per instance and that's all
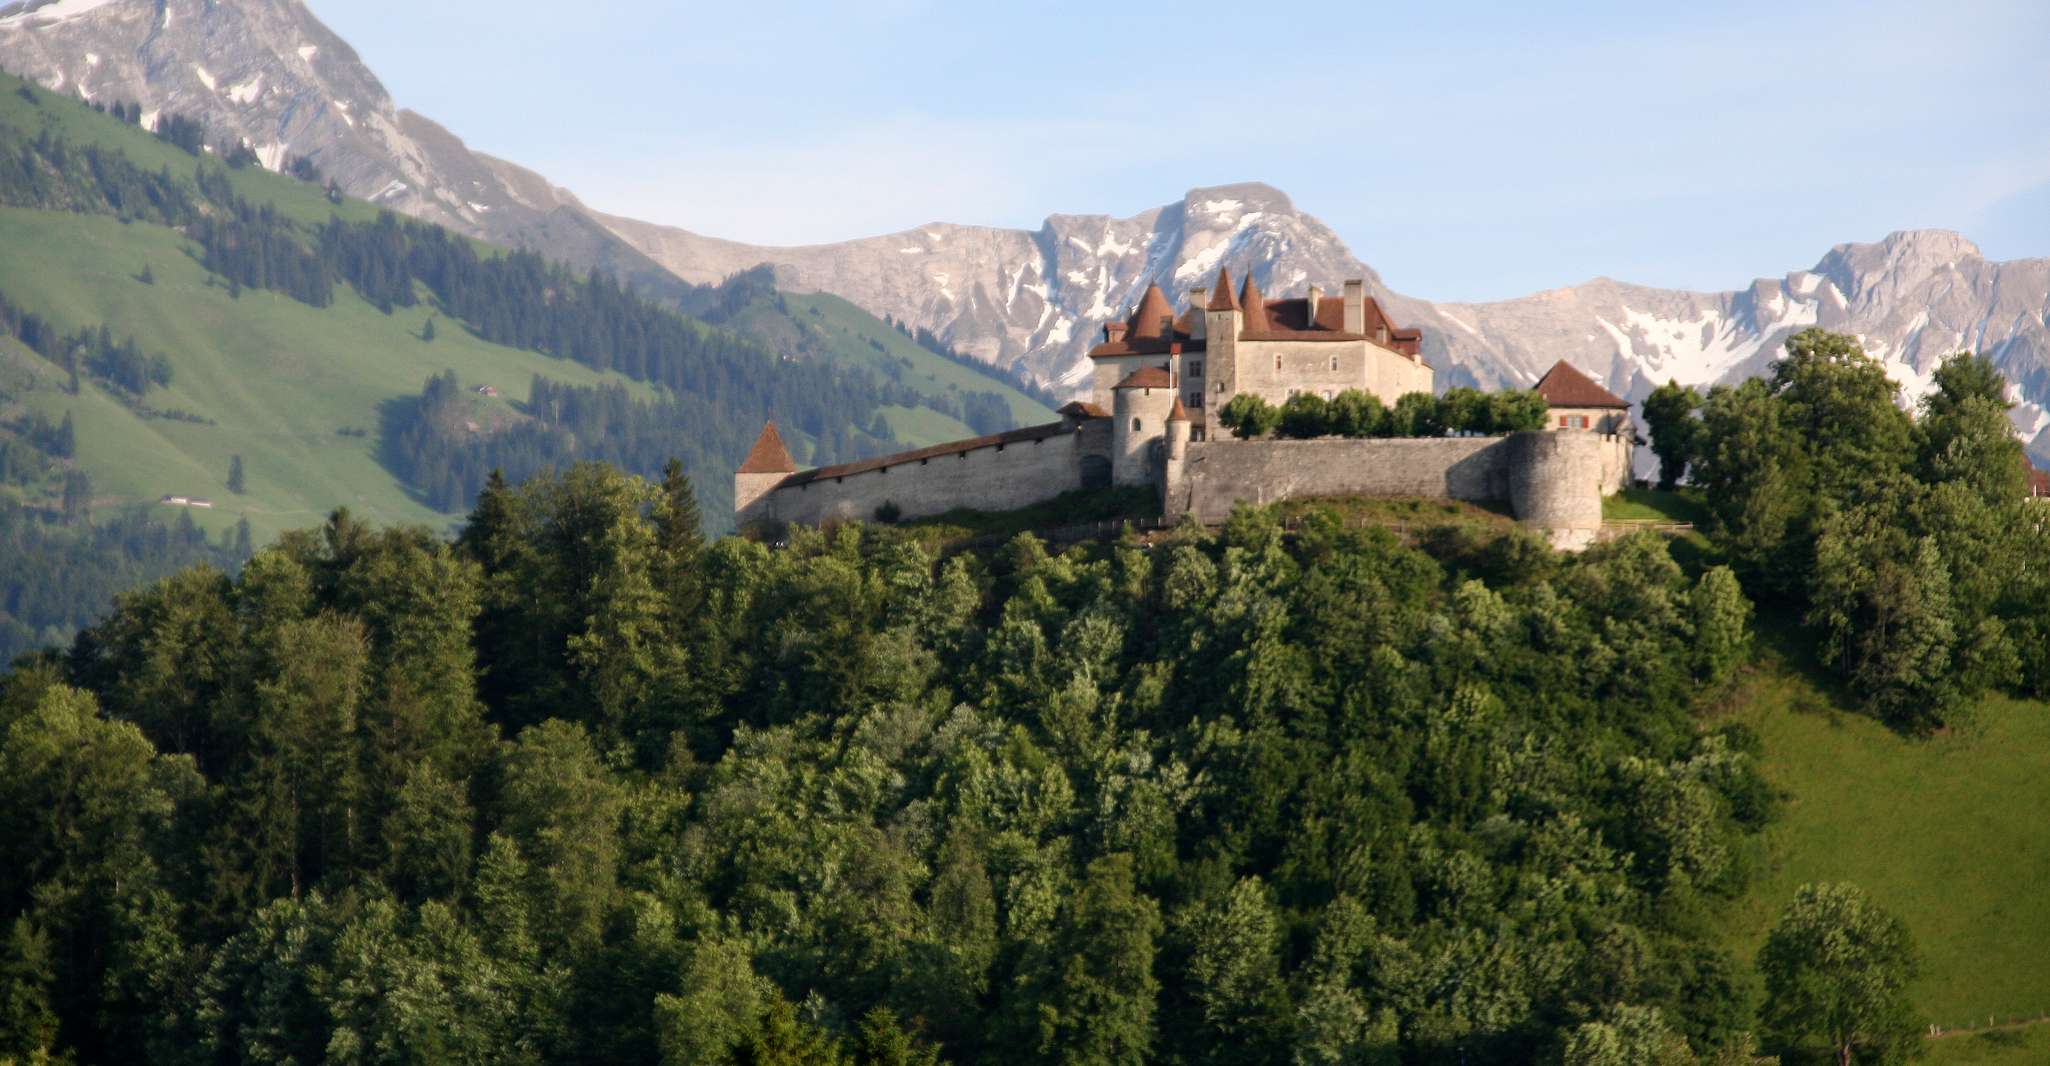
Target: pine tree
(427, 331)
(147, 277)
(235, 482)
(67, 437)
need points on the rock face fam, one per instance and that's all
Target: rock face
(269, 73)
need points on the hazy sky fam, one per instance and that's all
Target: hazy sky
(1466, 151)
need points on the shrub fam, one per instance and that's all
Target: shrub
(1305, 416)
(1415, 415)
(1357, 413)
(1249, 416)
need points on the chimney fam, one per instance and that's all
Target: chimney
(1356, 307)
(1310, 316)
(1113, 331)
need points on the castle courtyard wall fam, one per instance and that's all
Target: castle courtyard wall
(1554, 481)
(993, 478)
(1219, 474)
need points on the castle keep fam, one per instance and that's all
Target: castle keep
(1160, 381)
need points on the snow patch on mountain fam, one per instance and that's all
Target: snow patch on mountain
(45, 14)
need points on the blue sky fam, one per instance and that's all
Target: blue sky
(1466, 151)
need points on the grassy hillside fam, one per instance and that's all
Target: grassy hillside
(824, 326)
(860, 338)
(1946, 832)
(278, 382)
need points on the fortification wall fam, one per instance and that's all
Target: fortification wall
(1555, 481)
(1220, 473)
(998, 477)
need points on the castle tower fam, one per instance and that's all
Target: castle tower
(1178, 428)
(767, 464)
(1222, 319)
(1142, 402)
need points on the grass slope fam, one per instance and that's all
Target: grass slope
(1946, 832)
(277, 379)
(820, 324)
(853, 334)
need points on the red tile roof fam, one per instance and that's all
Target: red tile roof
(2039, 482)
(769, 456)
(1565, 386)
(1178, 413)
(1254, 305)
(1084, 409)
(1149, 321)
(1147, 377)
(1028, 435)
(1265, 320)
(1221, 298)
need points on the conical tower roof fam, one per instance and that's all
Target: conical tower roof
(1178, 413)
(1153, 312)
(1221, 298)
(768, 456)
(1254, 305)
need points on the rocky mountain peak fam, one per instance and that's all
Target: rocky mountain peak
(1902, 260)
(269, 72)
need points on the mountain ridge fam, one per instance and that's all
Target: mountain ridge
(1032, 300)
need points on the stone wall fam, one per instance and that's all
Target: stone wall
(1221, 473)
(1555, 481)
(998, 477)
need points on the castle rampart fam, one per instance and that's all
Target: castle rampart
(999, 473)
(1553, 481)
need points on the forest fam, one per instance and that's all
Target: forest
(582, 785)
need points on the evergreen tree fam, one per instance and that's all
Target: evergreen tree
(66, 443)
(427, 331)
(235, 481)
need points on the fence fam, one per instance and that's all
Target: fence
(1993, 1022)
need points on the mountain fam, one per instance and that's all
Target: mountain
(1030, 302)
(1039, 298)
(267, 72)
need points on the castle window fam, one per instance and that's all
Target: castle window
(1565, 423)
(1196, 369)
(1220, 388)
(1277, 362)
(1135, 425)
(1334, 363)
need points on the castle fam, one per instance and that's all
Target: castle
(1159, 383)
